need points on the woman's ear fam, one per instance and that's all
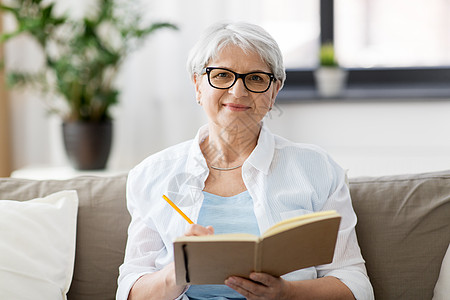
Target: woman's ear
(275, 90)
(196, 79)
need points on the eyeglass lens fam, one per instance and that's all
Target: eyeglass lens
(224, 79)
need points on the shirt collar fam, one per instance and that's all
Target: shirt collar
(196, 163)
(262, 155)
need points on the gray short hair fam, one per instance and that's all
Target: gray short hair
(248, 37)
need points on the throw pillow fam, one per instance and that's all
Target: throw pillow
(442, 288)
(37, 246)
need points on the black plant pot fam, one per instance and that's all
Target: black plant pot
(87, 144)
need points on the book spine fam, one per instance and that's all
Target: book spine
(186, 268)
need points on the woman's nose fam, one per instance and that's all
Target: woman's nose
(238, 89)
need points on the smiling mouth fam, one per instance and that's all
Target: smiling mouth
(236, 107)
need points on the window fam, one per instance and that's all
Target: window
(392, 49)
(285, 19)
(392, 33)
(294, 25)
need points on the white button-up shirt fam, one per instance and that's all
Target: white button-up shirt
(284, 179)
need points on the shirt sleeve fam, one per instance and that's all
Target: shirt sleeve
(143, 245)
(348, 263)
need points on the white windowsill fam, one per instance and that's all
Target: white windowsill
(42, 172)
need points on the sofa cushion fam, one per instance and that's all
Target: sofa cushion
(41, 228)
(442, 288)
(101, 228)
(403, 230)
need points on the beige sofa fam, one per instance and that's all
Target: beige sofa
(403, 230)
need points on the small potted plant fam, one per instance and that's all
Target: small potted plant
(330, 78)
(82, 57)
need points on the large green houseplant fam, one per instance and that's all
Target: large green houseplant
(82, 56)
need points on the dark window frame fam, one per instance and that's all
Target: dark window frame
(412, 83)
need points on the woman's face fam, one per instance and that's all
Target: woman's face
(235, 106)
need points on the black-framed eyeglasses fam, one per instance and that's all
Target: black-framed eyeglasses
(221, 78)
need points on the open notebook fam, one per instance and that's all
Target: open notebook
(289, 245)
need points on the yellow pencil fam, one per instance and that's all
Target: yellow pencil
(177, 209)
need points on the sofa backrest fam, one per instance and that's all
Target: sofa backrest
(101, 228)
(403, 231)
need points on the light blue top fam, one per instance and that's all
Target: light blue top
(227, 215)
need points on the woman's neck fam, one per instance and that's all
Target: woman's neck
(229, 146)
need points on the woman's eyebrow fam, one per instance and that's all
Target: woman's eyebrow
(253, 71)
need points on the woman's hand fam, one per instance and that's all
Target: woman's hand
(197, 230)
(261, 286)
(265, 286)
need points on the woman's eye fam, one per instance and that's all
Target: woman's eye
(255, 77)
(222, 75)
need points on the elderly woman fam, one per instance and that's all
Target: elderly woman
(236, 176)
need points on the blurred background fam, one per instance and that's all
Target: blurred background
(393, 117)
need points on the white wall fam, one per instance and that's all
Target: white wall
(372, 137)
(158, 109)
